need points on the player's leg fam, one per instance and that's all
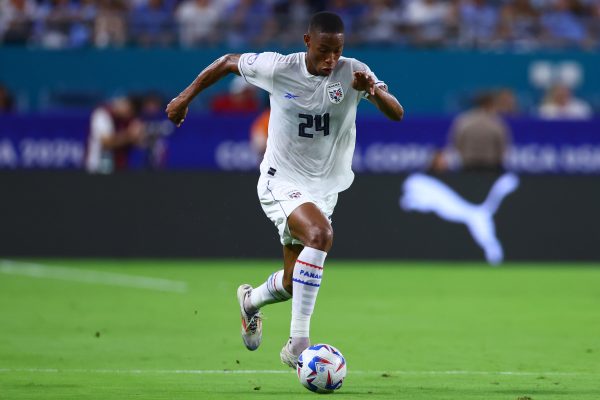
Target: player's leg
(290, 255)
(272, 290)
(253, 299)
(278, 286)
(310, 226)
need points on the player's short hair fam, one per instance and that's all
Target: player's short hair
(326, 22)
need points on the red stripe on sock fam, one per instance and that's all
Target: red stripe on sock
(308, 264)
(275, 280)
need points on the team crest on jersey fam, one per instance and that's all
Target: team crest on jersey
(294, 194)
(335, 92)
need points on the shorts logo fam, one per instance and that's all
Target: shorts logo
(335, 92)
(294, 194)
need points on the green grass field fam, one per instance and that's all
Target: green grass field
(104, 330)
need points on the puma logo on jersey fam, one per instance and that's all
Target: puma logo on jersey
(424, 194)
(290, 96)
(335, 92)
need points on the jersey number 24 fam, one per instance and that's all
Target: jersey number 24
(319, 122)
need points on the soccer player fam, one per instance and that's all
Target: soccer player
(313, 96)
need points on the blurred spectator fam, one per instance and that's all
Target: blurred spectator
(249, 22)
(83, 23)
(65, 23)
(56, 21)
(259, 133)
(197, 20)
(428, 22)
(506, 103)
(478, 23)
(17, 20)
(151, 105)
(110, 27)
(156, 129)
(519, 24)
(351, 13)
(152, 24)
(241, 99)
(292, 18)
(559, 103)
(561, 27)
(114, 132)
(439, 162)
(480, 137)
(6, 100)
(380, 24)
(593, 23)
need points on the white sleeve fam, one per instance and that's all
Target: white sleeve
(258, 68)
(359, 66)
(101, 124)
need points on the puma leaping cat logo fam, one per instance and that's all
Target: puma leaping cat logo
(426, 194)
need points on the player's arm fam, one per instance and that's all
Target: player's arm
(387, 103)
(178, 107)
(378, 95)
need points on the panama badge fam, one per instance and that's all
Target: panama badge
(335, 92)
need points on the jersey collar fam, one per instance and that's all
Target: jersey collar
(305, 70)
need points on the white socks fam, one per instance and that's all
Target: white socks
(270, 292)
(306, 282)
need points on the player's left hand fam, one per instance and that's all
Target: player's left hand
(364, 82)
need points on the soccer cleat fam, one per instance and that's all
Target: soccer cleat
(251, 324)
(287, 356)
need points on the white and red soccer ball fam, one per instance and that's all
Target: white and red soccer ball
(321, 368)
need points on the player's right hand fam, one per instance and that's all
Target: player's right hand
(176, 111)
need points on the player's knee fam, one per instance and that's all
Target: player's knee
(319, 237)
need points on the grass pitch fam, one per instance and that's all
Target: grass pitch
(170, 330)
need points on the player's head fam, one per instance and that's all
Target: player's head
(324, 42)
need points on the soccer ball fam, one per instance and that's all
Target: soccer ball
(321, 368)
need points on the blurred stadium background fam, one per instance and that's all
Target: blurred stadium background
(537, 60)
(515, 80)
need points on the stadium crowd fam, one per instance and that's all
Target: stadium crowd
(487, 24)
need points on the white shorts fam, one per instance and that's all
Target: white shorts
(279, 198)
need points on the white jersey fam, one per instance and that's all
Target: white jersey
(312, 128)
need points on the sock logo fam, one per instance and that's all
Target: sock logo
(425, 194)
(310, 274)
